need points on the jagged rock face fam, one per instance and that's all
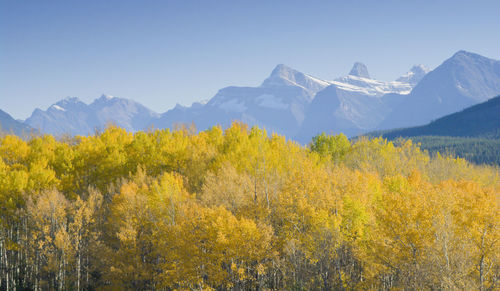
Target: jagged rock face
(359, 70)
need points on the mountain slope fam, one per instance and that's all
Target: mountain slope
(482, 120)
(10, 125)
(74, 117)
(463, 80)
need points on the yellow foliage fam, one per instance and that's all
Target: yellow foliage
(243, 209)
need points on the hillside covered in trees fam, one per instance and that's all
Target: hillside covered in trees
(237, 209)
(480, 121)
(473, 134)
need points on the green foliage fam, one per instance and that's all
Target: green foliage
(333, 146)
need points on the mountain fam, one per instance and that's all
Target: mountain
(279, 104)
(414, 75)
(74, 117)
(299, 105)
(296, 104)
(125, 113)
(482, 120)
(359, 70)
(463, 80)
(10, 125)
(352, 105)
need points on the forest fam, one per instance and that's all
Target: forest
(241, 209)
(475, 150)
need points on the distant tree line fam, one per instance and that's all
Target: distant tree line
(475, 150)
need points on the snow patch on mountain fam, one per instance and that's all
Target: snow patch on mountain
(57, 107)
(371, 87)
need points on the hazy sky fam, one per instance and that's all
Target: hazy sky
(160, 53)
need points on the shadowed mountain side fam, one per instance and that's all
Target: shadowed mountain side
(482, 120)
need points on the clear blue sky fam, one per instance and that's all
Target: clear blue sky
(161, 53)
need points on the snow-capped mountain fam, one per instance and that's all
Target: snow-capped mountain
(299, 105)
(279, 104)
(296, 104)
(74, 117)
(352, 104)
(463, 80)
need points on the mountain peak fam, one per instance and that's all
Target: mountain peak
(105, 100)
(359, 70)
(106, 97)
(69, 100)
(282, 71)
(419, 68)
(462, 53)
(280, 75)
(283, 75)
(414, 75)
(463, 57)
